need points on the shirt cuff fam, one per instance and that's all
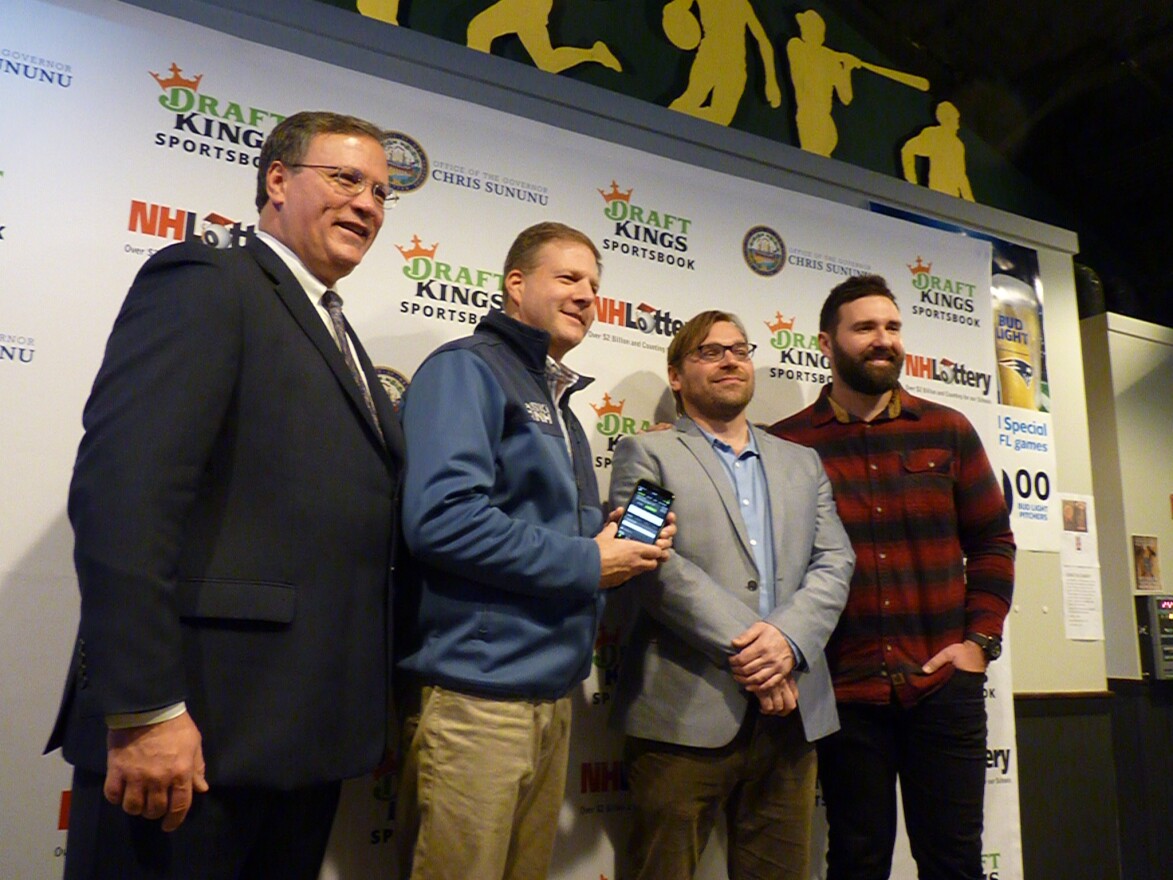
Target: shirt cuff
(799, 660)
(123, 720)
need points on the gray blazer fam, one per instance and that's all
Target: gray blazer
(675, 684)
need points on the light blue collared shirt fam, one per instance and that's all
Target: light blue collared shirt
(753, 499)
(748, 476)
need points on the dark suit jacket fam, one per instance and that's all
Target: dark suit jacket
(234, 517)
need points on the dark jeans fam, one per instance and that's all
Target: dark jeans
(938, 749)
(230, 834)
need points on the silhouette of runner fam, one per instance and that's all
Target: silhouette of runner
(530, 20)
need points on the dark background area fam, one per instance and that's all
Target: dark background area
(1078, 97)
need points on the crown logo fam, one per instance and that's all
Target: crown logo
(176, 81)
(616, 195)
(418, 249)
(919, 268)
(609, 406)
(781, 324)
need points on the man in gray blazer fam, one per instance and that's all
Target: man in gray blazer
(724, 686)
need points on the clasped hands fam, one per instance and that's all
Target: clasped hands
(764, 666)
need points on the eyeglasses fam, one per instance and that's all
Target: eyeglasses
(712, 352)
(352, 182)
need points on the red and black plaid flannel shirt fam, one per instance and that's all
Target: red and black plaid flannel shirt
(931, 532)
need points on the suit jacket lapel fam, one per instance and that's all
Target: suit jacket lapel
(777, 479)
(388, 420)
(695, 442)
(293, 295)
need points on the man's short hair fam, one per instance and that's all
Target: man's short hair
(523, 253)
(290, 140)
(692, 334)
(855, 287)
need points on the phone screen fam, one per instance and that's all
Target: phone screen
(646, 512)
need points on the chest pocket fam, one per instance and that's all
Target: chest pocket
(927, 478)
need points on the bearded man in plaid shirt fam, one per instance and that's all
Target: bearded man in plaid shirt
(933, 579)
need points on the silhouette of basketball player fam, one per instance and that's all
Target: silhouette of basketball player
(718, 73)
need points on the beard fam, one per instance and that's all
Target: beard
(858, 375)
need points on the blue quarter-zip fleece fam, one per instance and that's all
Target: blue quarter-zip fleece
(500, 521)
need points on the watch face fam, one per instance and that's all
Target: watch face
(991, 645)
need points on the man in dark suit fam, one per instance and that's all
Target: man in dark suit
(233, 504)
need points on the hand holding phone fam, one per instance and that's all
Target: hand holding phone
(646, 513)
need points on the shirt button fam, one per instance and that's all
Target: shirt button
(887, 647)
(752, 542)
(887, 602)
(875, 467)
(883, 555)
(752, 585)
(879, 509)
(745, 501)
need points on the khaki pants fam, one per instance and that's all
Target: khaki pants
(481, 787)
(764, 781)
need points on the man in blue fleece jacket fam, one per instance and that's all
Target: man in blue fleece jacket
(511, 550)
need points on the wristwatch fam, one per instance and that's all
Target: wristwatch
(991, 645)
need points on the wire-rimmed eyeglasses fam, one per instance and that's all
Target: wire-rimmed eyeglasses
(352, 182)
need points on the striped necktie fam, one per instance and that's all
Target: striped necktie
(333, 303)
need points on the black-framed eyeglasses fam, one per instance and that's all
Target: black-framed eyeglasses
(352, 182)
(711, 352)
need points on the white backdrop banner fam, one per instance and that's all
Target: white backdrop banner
(125, 131)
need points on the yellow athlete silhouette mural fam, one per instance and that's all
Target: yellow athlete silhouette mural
(530, 20)
(819, 75)
(383, 10)
(718, 73)
(945, 152)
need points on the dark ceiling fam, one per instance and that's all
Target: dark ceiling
(1076, 95)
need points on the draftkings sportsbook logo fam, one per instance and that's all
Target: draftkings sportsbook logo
(614, 425)
(941, 298)
(209, 126)
(799, 356)
(640, 231)
(445, 291)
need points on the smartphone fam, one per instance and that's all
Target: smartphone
(646, 513)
